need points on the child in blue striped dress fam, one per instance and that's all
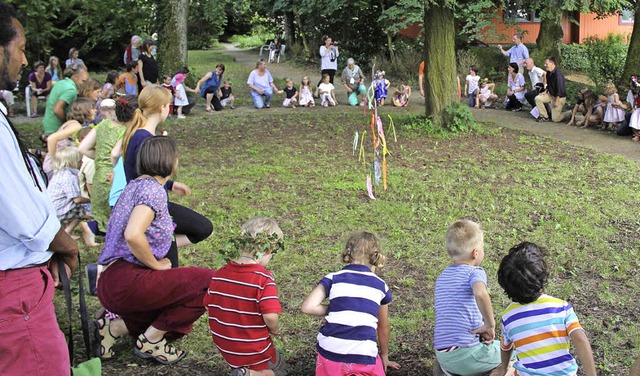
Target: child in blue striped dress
(465, 327)
(357, 314)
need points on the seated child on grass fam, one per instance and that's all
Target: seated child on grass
(291, 94)
(357, 314)
(226, 95)
(465, 327)
(326, 92)
(536, 326)
(243, 303)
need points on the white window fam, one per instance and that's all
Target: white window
(626, 16)
(516, 11)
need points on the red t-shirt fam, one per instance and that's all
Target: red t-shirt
(238, 296)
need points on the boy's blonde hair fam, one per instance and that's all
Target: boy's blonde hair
(463, 236)
(363, 246)
(260, 225)
(67, 157)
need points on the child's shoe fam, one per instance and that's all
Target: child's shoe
(232, 107)
(181, 117)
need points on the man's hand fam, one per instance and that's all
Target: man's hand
(67, 248)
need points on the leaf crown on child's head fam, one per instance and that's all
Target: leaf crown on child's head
(257, 245)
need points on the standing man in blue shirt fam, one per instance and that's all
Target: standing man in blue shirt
(31, 239)
(518, 53)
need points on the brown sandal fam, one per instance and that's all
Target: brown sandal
(160, 351)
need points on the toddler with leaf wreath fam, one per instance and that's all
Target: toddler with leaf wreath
(243, 304)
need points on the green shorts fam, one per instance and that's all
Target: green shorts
(467, 361)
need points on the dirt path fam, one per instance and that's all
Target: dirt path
(602, 141)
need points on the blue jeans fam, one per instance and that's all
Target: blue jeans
(472, 98)
(258, 101)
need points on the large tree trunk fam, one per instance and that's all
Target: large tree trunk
(632, 64)
(289, 29)
(172, 51)
(440, 85)
(549, 39)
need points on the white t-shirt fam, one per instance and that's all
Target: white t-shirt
(326, 88)
(535, 75)
(329, 57)
(472, 82)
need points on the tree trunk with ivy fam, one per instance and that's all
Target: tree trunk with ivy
(549, 39)
(440, 84)
(172, 51)
(632, 64)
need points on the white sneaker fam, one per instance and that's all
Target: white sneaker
(181, 117)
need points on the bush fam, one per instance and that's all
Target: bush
(606, 58)
(575, 57)
(464, 60)
(491, 62)
(405, 69)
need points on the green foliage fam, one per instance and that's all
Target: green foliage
(575, 57)
(458, 118)
(257, 245)
(256, 39)
(490, 62)
(207, 20)
(464, 60)
(606, 58)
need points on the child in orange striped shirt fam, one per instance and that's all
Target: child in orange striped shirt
(537, 327)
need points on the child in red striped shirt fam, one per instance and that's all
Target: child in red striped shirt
(243, 304)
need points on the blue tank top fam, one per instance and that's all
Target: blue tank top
(214, 82)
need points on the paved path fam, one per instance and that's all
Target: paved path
(602, 141)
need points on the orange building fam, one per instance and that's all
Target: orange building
(528, 24)
(506, 23)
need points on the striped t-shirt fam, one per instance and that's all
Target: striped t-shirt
(349, 332)
(539, 332)
(456, 309)
(238, 296)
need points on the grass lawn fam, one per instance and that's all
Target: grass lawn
(297, 166)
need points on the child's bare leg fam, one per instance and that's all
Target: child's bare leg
(71, 225)
(88, 236)
(179, 111)
(266, 372)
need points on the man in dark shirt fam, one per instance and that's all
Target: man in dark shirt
(555, 94)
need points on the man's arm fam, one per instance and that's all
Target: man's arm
(58, 110)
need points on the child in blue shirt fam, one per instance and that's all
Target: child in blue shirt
(465, 327)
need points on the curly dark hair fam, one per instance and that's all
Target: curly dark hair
(523, 273)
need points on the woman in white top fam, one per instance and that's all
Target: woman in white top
(329, 58)
(262, 86)
(515, 93)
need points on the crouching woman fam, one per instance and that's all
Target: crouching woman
(155, 301)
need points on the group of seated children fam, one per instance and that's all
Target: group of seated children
(537, 329)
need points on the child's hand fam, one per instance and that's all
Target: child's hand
(280, 91)
(486, 332)
(181, 189)
(388, 364)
